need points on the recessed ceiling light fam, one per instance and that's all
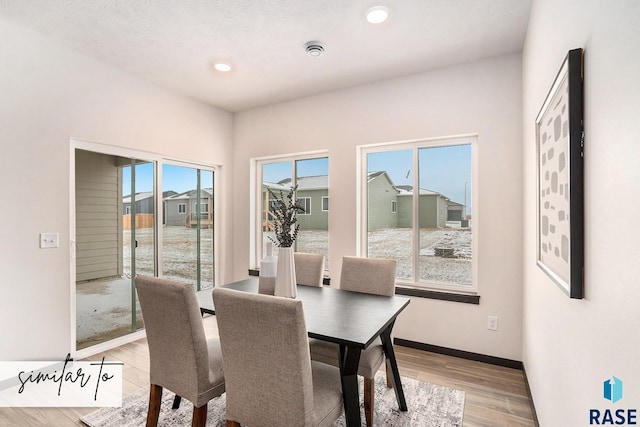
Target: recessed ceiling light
(377, 14)
(222, 67)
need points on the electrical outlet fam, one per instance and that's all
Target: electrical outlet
(492, 323)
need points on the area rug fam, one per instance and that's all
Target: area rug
(429, 406)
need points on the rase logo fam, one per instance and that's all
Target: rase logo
(612, 391)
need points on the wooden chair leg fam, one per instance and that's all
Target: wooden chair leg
(155, 398)
(199, 416)
(232, 424)
(176, 402)
(368, 400)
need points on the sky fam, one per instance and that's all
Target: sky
(176, 178)
(275, 172)
(446, 170)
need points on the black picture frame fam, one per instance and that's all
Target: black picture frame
(560, 178)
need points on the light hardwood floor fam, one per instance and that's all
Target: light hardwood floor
(495, 396)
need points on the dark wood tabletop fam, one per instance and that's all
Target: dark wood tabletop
(354, 319)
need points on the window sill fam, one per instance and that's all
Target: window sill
(443, 296)
(412, 292)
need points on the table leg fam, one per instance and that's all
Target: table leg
(349, 360)
(392, 366)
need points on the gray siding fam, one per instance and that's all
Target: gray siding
(432, 209)
(405, 211)
(318, 219)
(98, 216)
(145, 206)
(441, 212)
(172, 217)
(429, 208)
(381, 195)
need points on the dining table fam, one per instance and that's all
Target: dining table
(352, 320)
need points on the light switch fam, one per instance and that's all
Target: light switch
(49, 240)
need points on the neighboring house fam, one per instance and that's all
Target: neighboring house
(455, 211)
(182, 209)
(313, 196)
(432, 208)
(390, 206)
(145, 208)
(144, 203)
(383, 201)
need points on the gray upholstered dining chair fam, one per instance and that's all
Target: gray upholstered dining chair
(372, 276)
(181, 358)
(270, 378)
(309, 268)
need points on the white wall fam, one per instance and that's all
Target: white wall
(571, 346)
(49, 94)
(481, 97)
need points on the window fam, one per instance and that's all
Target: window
(429, 228)
(182, 208)
(305, 203)
(204, 207)
(325, 203)
(127, 210)
(310, 173)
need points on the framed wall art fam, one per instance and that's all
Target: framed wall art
(560, 207)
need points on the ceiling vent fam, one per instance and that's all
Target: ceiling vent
(314, 48)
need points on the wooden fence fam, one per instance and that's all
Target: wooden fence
(142, 221)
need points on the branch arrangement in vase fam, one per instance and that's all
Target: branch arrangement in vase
(285, 224)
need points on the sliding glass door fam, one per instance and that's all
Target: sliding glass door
(127, 225)
(115, 240)
(187, 225)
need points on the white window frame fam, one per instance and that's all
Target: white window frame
(362, 194)
(255, 193)
(127, 210)
(204, 207)
(394, 207)
(306, 204)
(184, 208)
(322, 204)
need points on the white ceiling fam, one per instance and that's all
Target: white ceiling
(175, 42)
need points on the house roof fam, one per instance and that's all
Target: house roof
(275, 186)
(146, 195)
(318, 182)
(187, 194)
(321, 182)
(139, 196)
(407, 190)
(373, 175)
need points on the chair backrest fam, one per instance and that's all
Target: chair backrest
(179, 359)
(265, 353)
(368, 275)
(309, 268)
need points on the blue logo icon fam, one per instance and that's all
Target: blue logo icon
(613, 389)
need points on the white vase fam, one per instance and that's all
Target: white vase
(286, 274)
(268, 269)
